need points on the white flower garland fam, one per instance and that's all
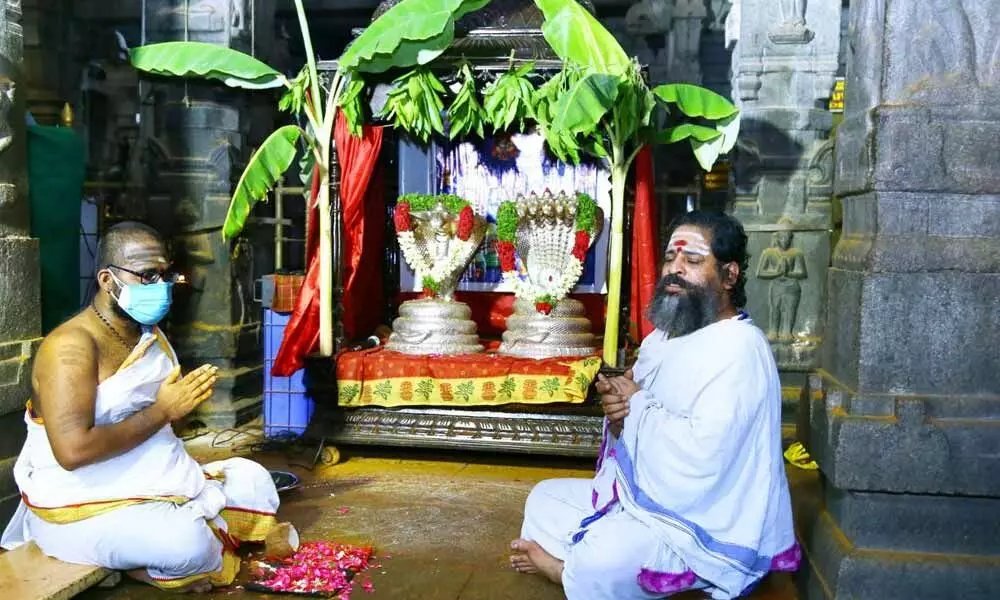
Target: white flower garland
(529, 290)
(458, 253)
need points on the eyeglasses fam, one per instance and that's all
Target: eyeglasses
(149, 276)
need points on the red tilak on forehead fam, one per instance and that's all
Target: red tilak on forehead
(680, 243)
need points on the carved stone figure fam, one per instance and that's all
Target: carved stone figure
(791, 28)
(793, 12)
(784, 266)
(649, 17)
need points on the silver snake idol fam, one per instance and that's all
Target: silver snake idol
(437, 324)
(546, 236)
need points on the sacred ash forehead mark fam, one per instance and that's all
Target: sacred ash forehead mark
(690, 242)
(146, 258)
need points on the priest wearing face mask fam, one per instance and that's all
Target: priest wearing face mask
(104, 480)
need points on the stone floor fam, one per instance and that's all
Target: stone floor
(445, 521)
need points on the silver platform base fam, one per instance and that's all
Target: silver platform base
(521, 432)
(434, 326)
(566, 331)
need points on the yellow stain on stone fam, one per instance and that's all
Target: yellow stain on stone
(389, 467)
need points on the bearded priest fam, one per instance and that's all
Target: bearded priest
(690, 491)
(104, 480)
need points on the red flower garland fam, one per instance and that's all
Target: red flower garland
(506, 252)
(401, 217)
(581, 244)
(466, 221)
(543, 307)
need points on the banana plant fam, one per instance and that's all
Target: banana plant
(413, 32)
(599, 105)
(606, 109)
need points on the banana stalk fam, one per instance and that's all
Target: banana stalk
(323, 125)
(619, 175)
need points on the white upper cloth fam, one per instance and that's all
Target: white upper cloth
(160, 466)
(699, 459)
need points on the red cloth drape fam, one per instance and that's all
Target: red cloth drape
(645, 246)
(357, 158)
(364, 227)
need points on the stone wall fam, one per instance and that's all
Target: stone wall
(904, 413)
(20, 317)
(785, 60)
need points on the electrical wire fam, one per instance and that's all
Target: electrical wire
(286, 443)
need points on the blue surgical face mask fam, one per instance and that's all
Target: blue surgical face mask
(146, 303)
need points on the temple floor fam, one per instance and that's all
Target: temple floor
(440, 524)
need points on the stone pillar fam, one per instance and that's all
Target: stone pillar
(904, 414)
(670, 32)
(684, 65)
(20, 317)
(784, 65)
(48, 58)
(197, 144)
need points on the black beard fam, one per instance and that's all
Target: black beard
(682, 313)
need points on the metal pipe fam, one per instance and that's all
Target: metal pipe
(279, 229)
(142, 42)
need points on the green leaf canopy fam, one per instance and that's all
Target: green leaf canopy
(198, 59)
(413, 32)
(695, 101)
(578, 38)
(587, 102)
(687, 131)
(265, 168)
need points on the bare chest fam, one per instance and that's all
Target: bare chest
(112, 355)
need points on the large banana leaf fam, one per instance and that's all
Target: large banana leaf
(633, 110)
(198, 59)
(708, 152)
(706, 143)
(582, 109)
(578, 38)
(265, 168)
(410, 33)
(687, 131)
(695, 101)
(730, 129)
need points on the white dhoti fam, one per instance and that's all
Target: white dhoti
(152, 508)
(693, 494)
(608, 561)
(175, 543)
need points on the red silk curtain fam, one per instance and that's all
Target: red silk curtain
(364, 227)
(645, 246)
(361, 205)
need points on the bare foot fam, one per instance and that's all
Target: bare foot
(196, 587)
(529, 557)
